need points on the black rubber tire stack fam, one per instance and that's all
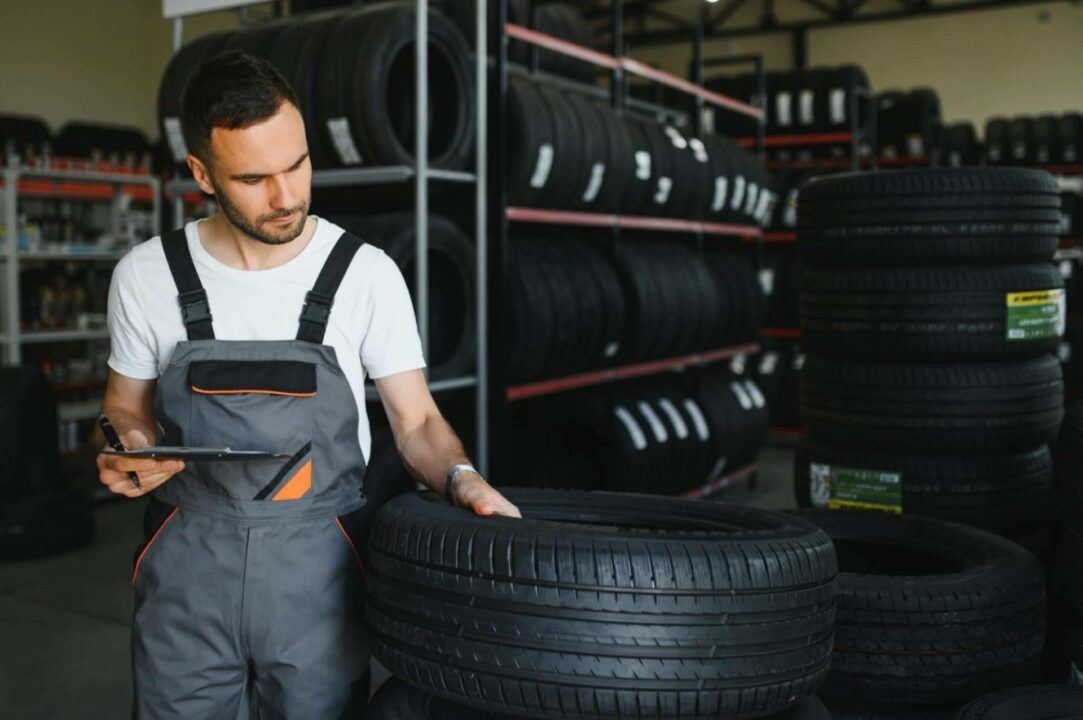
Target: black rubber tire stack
(1035, 702)
(1043, 140)
(41, 510)
(908, 124)
(598, 605)
(349, 69)
(930, 615)
(26, 136)
(915, 371)
(927, 391)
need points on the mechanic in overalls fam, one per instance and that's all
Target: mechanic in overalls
(254, 329)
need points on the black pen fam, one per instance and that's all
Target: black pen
(113, 439)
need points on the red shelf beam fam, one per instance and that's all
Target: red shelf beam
(629, 65)
(598, 377)
(780, 237)
(79, 190)
(630, 222)
(786, 333)
(838, 138)
(1073, 169)
(722, 483)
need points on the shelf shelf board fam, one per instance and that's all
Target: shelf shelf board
(722, 483)
(79, 410)
(629, 222)
(780, 237)
(79, 190)
(784, 333)
(798, 140)
(628, 65)
(65, 256)
(598, 377)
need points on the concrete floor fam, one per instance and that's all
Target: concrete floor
(64, 620)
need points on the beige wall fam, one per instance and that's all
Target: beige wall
(1022, 60)
(97, 60)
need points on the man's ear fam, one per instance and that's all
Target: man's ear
(200, 174)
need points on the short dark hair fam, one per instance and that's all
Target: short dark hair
(229, 90)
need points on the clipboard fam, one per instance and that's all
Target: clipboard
(196, 454)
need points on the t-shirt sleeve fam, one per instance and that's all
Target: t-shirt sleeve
(131, 351)
(391, 344)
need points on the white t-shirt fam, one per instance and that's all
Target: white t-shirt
(372, 325)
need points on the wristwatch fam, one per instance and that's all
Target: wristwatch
(450, 482)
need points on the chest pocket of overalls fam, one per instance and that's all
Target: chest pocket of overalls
(255, 405)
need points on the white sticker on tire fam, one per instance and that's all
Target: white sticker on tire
(738, 192)
(342, 139)
(753, 196)
(754, 392)
(741, 395)
(679, 425)
(915, 145)
(175, 137)
(764, 205)
(597, 174)
(783, 114)
(676, 138)
(798, 361)
(838, 106)
(611, 349)
(805, 107)
(768, 363)
(719, 200)
(819, 477)
(699, 149)
(639, 439)
(737, 364)
(542, 166)
(767, 280)
(661, 195)
(657, 428)
(700, 423)
(643, 165)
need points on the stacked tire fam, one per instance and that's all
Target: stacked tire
(600, 605)
(575, 307)
(352, 72)
(571, 151)
(930, 615)
(930, 311)
(1068, 573)
(908, 124)
(41, 510)
(655, 438)
(1023, 140)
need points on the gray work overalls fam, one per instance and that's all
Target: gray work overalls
(250, 572)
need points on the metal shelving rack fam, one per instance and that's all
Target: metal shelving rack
(66, 184)
(421, 175)
(503, 393)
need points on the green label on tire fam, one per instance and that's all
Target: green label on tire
(1036, 315)
(842, 488)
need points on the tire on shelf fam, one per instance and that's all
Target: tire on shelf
(1068, 454)
(177, 70)
(1003, 406)
(931, 313)
(998, 149)
(931, 216)
(929, 613)
(452, 333)
(504, 624)
(1001, 493)
(1035, 702)
(367, 89)
(1070, 138)
(1021, 141)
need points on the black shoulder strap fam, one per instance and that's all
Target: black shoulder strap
(193, 298)
(321, 297)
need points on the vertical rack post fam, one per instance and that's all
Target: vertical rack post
(481, 238)
(12, 350)
(421, 171)
(499, 414)
(617, 90)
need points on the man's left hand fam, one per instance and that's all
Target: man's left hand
(474, 493)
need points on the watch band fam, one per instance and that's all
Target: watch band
(449, 484)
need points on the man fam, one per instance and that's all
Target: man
(254, 329)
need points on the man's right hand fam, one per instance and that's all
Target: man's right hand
(113, 469)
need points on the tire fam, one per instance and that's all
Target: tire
(1070, 138)
(397, 700)
(1037, 702)
(929, 613)
(180, 66)
(531, 311)
(920, 110)
(1046, 140)
(603, 175)
(452, 333)
(644, 314)
(928, 313)
(998, 493)
(368, 62)
(1021, 141)
(546, 616)
(935, 407)
(935, 216)
(1068, 453)
(960, 145)
(998, 149)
